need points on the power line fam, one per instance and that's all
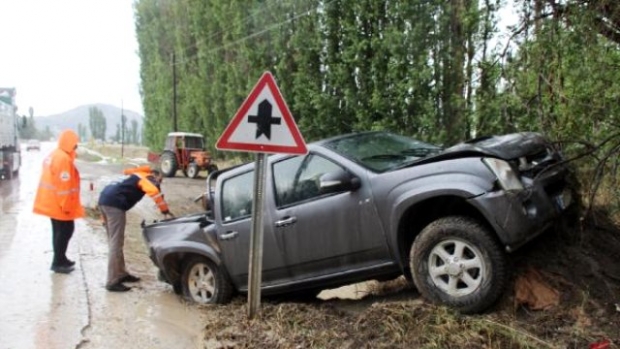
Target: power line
(245, 20)
(258, 33)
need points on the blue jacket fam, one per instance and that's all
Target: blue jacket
(125, 194)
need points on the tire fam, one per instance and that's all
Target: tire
(177, 288)
(456, 261)
(204, 282)
(192, 170)
(212, 168)
(168, 164)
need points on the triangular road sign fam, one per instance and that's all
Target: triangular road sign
(263, 124)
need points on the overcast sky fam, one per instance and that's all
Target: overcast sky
(60, 54)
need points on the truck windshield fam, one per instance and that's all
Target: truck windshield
(381, 151)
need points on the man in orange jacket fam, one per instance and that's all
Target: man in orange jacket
(114, 201)
(58, 197)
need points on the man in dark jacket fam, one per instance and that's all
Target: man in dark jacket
(115, 200)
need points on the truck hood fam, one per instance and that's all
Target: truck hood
(507, 147)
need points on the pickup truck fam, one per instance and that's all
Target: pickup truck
(371, 205)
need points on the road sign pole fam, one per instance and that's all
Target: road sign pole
(256, 237)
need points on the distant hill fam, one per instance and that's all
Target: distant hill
(71, 119)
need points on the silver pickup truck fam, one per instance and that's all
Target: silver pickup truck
(371, 206)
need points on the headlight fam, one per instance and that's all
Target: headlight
(506, 176)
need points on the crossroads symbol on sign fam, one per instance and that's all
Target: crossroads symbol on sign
(264, 119)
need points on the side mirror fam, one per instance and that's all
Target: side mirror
(338, 181)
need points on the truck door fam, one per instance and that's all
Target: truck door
(234, 231)
(320, 234)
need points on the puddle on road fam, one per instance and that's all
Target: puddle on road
(148, 316)
(40, 309)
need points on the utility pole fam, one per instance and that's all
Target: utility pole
(174, 92)
(122, 130)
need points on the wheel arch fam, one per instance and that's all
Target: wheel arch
(171, 258)
(420, 214)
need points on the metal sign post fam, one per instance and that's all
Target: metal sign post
(256, 237)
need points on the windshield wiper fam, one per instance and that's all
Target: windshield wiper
(419, 152)
(384, 157)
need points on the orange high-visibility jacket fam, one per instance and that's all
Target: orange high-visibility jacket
(147, 186)
(58, 195)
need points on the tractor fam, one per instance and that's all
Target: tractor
(186, 152)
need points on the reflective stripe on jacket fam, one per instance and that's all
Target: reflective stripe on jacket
(58, 194)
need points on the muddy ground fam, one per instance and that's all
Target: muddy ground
(583, 266)
(578, 261)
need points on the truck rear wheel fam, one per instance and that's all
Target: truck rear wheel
(168, 164)
(204, 282)
(456, 261)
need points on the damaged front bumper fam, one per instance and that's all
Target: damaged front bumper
(519, 216)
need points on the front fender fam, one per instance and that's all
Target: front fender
(169, 258)
(461, 185)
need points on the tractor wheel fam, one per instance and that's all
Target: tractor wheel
(168, 164)
(192, 170)
(212, 168)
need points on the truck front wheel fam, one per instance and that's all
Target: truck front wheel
(456, 261)
(204, 282)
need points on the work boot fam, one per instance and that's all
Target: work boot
(62, 269)
(118, 287)
(130, 278)
(68, 262)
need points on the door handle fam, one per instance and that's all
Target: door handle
(229, 235)
(286, 222)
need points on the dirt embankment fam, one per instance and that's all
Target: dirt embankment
(578, 261)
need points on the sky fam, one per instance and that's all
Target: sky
(61, 54)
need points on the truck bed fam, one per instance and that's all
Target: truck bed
(8, 130)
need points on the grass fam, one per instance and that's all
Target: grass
(405, 324)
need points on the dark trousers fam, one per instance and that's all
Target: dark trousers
(62, 231)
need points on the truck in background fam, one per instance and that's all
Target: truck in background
(10, 155)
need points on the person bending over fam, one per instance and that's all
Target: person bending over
(114, 202)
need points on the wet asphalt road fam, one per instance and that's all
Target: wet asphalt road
(41, 309)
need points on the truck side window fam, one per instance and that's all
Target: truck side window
(237, 195)
(297, 179)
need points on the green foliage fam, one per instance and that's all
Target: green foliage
(82, 132)
(437, 70)
(27, 128)
(97, 123)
